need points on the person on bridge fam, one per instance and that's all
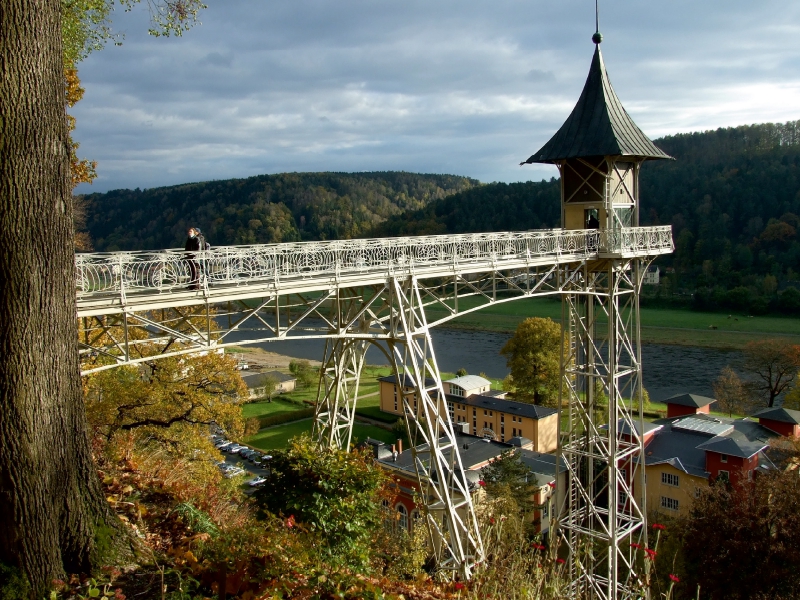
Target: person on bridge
(193, 244)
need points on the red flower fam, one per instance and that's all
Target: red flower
(539, 546)
(491, 520)
(560, 561)
(482, 483)
(658, 526)
(459, 586)
(651, 554)
(637, 546)
(674, 578)
(290, 521)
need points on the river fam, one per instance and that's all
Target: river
(668, 370)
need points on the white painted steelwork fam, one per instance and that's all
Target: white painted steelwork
(134, 307)
(112, 282)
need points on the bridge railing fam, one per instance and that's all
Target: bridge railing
(168, 270)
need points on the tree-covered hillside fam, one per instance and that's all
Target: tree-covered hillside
(733, 199)
(262, 209)
(491, 207)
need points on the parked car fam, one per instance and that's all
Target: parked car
(257, 481)
(246, 453)
(235, 472)
(234, 449)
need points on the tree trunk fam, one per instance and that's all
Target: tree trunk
(54, 518)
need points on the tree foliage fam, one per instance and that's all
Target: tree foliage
(193, 390)
(332, 492)
(507, 475)
(758, 520)
(263, 209)
(533, 356)
(772, 364)
(306, 375)
(732, 394)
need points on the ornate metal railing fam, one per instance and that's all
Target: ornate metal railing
(169, 270)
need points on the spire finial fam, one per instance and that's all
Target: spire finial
(597, 37)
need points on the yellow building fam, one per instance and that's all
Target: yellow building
(475, 408)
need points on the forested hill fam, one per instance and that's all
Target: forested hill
(262, 209)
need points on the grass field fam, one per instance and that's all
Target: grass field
(278, 406)
(659, 325)
(277, 437)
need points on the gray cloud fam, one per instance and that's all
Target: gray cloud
(463, 88)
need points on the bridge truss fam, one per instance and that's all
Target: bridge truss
(390, 293)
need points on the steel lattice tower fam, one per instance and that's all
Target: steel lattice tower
(599, 151)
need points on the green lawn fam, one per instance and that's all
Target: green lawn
(275, 438)
(278, 406)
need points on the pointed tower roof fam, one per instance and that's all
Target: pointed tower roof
(598, 125)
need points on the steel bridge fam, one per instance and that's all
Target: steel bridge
(353, 293)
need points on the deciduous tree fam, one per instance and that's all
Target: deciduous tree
(508, 475)
(732, 394)
(333, 492)
(773, 364)
(758, 520)
(533, 355)
(54, 518)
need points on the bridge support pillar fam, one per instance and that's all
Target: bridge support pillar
(338, 391)
(602, 519)
(444, 488)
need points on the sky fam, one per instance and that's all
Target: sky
(427, 86)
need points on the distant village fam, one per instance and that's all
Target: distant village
(685, 451)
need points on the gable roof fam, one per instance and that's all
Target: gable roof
(469, 382)
(784, 415)
(598, 125)
(691, 400)
(726, 445)
(509, 407)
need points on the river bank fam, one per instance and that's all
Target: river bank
(662, 326)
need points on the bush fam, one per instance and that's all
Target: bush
(331, 492)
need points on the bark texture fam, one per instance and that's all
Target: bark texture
(53, 517)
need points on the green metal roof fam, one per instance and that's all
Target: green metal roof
(598, 125)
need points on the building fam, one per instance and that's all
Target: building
(257, 383)
(782, 421)
(687, 450)
(688, 404)
(486, 412)
(652, 275)
(476, 452)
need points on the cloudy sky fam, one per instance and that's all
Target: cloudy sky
(428, 86)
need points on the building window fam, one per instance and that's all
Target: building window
(456, 391)
(502, 418)
(403, 512)
(724, 475)
(545, 508)
(723, 458)
(669, 503)
(623, 474)
(415, 517)
(622, 501)
(697, 492)
(491, 414)
(485, 413)
(669, 479)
